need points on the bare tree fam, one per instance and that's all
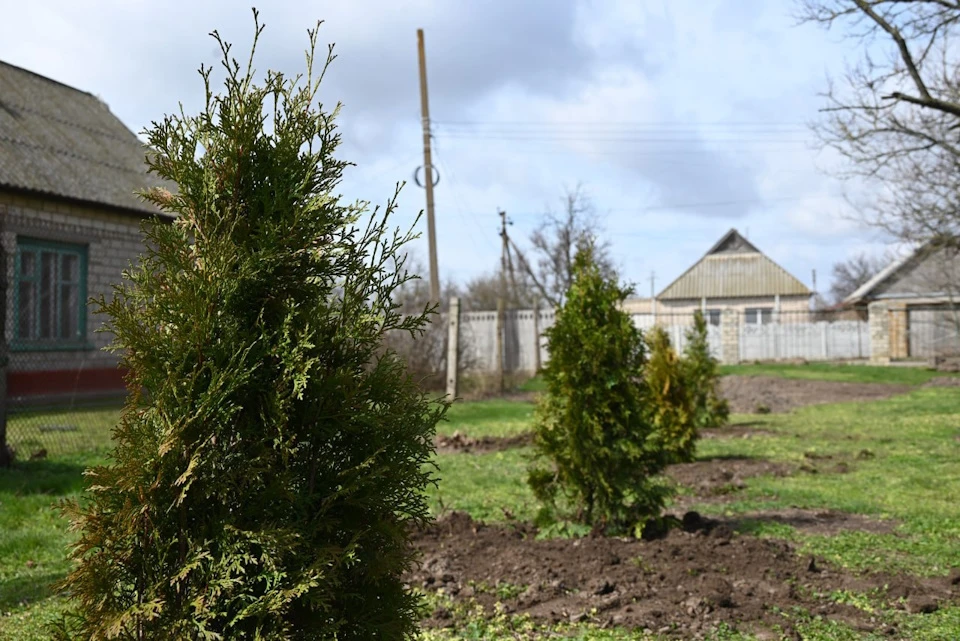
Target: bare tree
(896, 117)
(425, 354)
(555, 242)
(850, 274)
(481, 293)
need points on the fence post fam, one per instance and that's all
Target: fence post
(823, 341)
(729, 337)
(453, 347)
(878, 316)
(500, 325)
(536, 336)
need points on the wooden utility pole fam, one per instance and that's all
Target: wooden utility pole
(428, 170)
(501, 299)
(453, 347)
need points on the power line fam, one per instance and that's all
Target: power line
(587, 137)
(619, 123)
(700, 205)
(460, 209)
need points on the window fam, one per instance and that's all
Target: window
(758, 315)
(51, 290)
(713, 317)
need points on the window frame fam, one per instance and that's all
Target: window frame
(36, 246)
(710, 314)
(758, 316)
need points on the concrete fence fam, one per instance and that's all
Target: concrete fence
(808, 336)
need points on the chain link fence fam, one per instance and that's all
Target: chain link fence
(60, 394)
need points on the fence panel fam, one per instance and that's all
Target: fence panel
(933, 332)
(804, 335)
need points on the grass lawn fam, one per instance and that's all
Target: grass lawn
(855, 373)
(852, 373)
(903, 465)
(488, 418)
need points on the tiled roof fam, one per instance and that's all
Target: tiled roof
(60, 141)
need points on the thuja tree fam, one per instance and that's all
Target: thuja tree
(268, 466)
(669, 405)
(702, 374)
(594, 450)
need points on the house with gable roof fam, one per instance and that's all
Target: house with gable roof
(734, 274)
(914, 303)
(69, 225)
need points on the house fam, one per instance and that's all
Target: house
(735, 275)
(915, 301)
(69, 224)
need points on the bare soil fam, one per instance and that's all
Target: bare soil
(458, 442)
(737, 430)
(943, 381)
(722, 476)
(683, 584)
(768, 394)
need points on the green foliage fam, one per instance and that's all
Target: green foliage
(670, 398)
(270, 461)
(702, 376)
(593, 440)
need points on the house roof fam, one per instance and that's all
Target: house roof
(62, 142)
(734, 268)
(924, 272)
(879, 278)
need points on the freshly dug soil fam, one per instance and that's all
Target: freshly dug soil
(682, 585)
(943, 381)
(737, 430)
(760, 394)
(458, 442)
(721, 476)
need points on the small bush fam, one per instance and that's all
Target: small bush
(593, 439)
(270, 463)
(702, 375)
(669, 394)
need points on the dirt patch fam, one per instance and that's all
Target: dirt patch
(943, 381)
(827, 522)
(737, 430)
(458, 442)
(682, 585)
(762, 394)
(721, 476)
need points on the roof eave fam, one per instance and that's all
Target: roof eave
(146, 212)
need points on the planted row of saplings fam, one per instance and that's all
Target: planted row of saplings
(619, 407)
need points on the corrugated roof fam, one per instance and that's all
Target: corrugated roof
(884, 274)
(734, 268)
(64, 142)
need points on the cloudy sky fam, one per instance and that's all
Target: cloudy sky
(680, 118)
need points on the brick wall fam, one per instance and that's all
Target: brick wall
(113, 242)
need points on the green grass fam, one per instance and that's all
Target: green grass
(903, 466)
(535, 384)
(483, 485)
(488, 418)
(838, 372)
(911, 474)
(62, 432)
(33, 541)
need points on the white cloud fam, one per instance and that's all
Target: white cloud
(723, 87)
